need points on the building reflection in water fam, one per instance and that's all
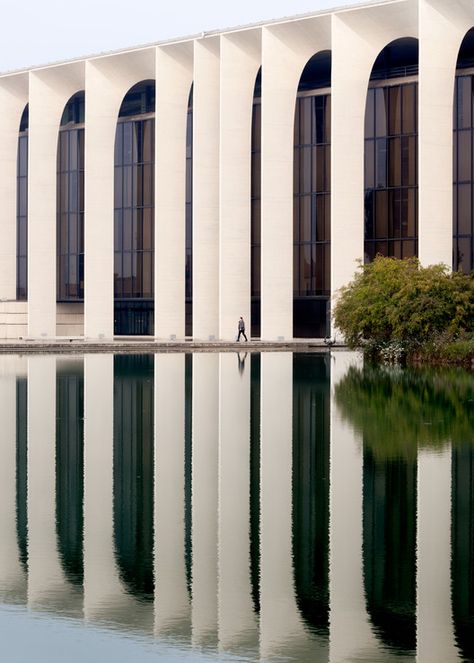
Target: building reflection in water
(265, 510)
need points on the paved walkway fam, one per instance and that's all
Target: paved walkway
(146, 344)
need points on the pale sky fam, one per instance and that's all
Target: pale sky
(36, 32)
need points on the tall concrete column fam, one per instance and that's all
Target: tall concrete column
(238, 630)
(206, 118)
(285, 50)
(240, 61)
(442, 29)
(49, 91)
(172, 601)
(357, 39)
(204, 510)
(174, 71)
(12, 573)
(107, 82)
(434, 621)
(13, 99)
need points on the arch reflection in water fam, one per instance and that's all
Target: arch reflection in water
(133, 472)
(70, 470)
(274, 509)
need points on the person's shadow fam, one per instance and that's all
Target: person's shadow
(241, 361)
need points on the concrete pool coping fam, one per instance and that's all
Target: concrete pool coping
(143, 344)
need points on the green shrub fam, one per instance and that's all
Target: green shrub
(393, 301)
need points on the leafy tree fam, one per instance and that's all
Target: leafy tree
(398, 300)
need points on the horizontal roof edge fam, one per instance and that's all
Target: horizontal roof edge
(204, 34)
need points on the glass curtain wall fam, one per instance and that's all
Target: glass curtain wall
(391, 168)
(134, 212)
(463, 170)
(22, 210)
(70, 202)
(312, 198)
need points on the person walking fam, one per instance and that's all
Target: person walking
(241, 327)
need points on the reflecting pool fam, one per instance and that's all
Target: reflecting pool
(235, 507)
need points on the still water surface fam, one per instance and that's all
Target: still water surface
(206, 507)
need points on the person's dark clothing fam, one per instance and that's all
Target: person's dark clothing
(241, 327)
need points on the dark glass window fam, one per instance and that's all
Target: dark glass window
(22, 210)
(312, 199)
(391, 182)
(134, 212)
(311, 214)
(189, 219)
(463, 171)
(70, 202)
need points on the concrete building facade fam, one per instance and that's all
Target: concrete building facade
(168, 189)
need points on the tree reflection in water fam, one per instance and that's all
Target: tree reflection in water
(398, 410)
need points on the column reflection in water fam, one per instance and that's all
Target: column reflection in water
(237, 619)
(350, 631)
(435, 636)
(172, 600)
(205, 400)
(48, 586)
(12, 566)
(282, 628)
(113, 586)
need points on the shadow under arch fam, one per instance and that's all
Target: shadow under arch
(463, 176)
(255, 208)
(22, 209)
(133, 472)
(189, 218)
(134, 203)
(70, 473)
(311, 416)
(312, 199)
(390, 153)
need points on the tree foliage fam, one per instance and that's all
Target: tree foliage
(398, 300)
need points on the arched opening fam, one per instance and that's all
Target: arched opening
(463, 169)
(189, 219)
(134, 203)
(391, 170)
(311, 216)
(255, 202)
(22, 210)
(70, 202)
